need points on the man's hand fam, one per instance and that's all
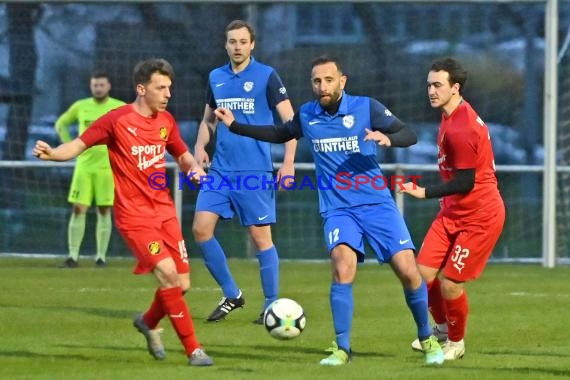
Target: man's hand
(63, 152)
(196, 172)
(413, 189)
(201, 156)
(286, 173)
(42, 150)
(377, 136)
(225, 116)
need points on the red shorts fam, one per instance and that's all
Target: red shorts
(462, 247)
(153, 243)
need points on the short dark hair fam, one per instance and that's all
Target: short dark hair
(144, 70)
(238, 24)
(322, 59)
(457, 74)
(97, 74)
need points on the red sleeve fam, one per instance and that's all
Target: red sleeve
(100, 132)
(461, 146)
(175, 145)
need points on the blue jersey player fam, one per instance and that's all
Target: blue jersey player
(356, 204)
(253, 91)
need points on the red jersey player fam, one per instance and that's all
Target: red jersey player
(462, 236)
(138, 135)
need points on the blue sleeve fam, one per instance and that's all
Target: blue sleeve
(380, 117)
(276, 91)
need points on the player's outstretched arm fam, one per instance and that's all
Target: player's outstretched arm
(286, 172)
(225, 116)
(462, 183)
(63, 152)
(207, 124)
(412, 189)
(188, 165)
(277, 134)
(397, 135)
(377, 136)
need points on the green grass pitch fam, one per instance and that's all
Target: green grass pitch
(76, 324)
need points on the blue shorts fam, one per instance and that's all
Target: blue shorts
(250, 195)
(381, 224)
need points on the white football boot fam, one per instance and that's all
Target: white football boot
(453, 350)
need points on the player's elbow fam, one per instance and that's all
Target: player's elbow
(466, 184)
(466, 188)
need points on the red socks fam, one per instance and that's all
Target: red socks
(454, 312)
(175, 307)
(457, 310)
(436, 303)
(171, 302)
(155, 313)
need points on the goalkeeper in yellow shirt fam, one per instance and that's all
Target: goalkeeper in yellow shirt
(92, 178)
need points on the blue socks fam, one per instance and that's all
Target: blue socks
(215, 260)
(417, 300)
(269, 273)
(342, 307)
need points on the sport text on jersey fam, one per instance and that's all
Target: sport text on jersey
(148, 155)
(245, 105)
(337, 144)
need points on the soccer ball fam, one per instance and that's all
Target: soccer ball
(284, 319)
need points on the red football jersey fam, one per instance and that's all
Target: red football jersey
(137, 147)
(464, 142)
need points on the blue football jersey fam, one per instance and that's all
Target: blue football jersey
(347, 169)
(252, 96)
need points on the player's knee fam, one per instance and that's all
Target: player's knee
(79, 209)
(200, 233)
(263, 244)
(168, 277)
(104, 210)
(451, 289)
(344, 272)
(261, 237)
(169, 282)
(184, 284)
(409, 276)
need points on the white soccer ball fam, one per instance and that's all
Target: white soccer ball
(284, 319)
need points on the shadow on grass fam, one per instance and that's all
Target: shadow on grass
(36, 355)
(525, 370)
(132, 348)
(24, 354)
(97, 311)
(272, 352)
(527, 353)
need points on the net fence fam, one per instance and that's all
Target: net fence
(48, 50)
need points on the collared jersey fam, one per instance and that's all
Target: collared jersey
(137, 147)
(252, 96)
(464, 142)
(85, 112)
(342, 157)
